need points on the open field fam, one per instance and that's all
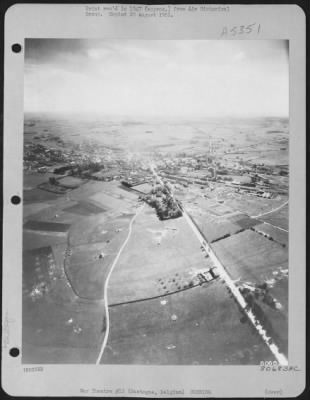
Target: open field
(36, 239)
(32, 179)
(38, 196)
(84, 208)
(198, 326)
(87, 277)
(58, 327)
(52, 302)
(257, 260)
(101, 229)
(70, 182)
(46, 226)
(33, 208)
(250, 256)
(89, 261)
(273, 233)
(278, 218)
(144, 188)
(171, 258)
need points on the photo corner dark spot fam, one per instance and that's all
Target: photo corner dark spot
(14, 352)
(15, 200)
(16, 48)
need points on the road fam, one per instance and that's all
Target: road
(275, 226)
(105, 296)
(282, 360)
(271, 211)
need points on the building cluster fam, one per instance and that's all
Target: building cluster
(39, 157)
(85, 161)
(241, 176)
(92, 160)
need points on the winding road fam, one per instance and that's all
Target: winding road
(271, 211)
(105, 297)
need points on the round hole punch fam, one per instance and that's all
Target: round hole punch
(14, 352)
(16, 48)
(15, 200)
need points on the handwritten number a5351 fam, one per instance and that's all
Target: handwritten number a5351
(241, 30)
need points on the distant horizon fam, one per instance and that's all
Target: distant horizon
(151, 117)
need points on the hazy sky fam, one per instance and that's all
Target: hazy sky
(188, 78)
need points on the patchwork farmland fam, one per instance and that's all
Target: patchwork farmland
(106, 281)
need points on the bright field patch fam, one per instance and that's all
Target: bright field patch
(110, 202)
(273, 233)
(171, 254)
(278, 218)
(37, 239)
(97, 229)
(244, 221)
(143, 188)
(197, 326)
(87, 276)
(70, 182)
(250, 256)
(85, 208)
(58, 327)
(38, 196)
(216, 229)
(29, 209)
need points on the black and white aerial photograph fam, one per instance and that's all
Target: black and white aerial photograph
(155, 202)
